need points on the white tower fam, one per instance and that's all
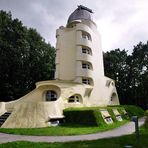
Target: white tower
(79, 57)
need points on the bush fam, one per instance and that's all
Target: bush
(91, 116)
(83, 116)
(133, 110)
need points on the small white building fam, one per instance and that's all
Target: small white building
(79, 77)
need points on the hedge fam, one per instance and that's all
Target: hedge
(91, 116)
(84, 116)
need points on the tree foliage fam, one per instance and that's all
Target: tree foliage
(25, 58)
(130, 73)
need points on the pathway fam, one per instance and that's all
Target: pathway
(123, 130)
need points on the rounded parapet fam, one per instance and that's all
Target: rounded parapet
(85, 73)
(83, 27)
(84, 69)
(84, 42)
(84, 54)
(83, 38)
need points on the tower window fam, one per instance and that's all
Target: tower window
(86, 81)
(51, 95)
(86, 35)
(85, 65)
(86, 51)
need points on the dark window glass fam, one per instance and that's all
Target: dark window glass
(51, 95)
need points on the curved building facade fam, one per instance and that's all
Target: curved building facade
(80, 57)
(79, 77)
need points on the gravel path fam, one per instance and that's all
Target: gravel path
(123, 130)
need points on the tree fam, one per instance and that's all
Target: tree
(116, 68)
(25, 58)
(138, 63)
(130, 73)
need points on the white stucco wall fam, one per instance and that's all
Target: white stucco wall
(70, 58)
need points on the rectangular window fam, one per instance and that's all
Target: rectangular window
(86, 51)
(85, 66)
(71, 100)
(84, 36)
(86, 81)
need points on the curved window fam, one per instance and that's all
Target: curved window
(87, 65)
(87, 81)
(74, 99)
(86, 35)
(86, 50)
(51, 95)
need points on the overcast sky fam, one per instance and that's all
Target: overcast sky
(122, 23)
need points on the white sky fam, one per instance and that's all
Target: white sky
(122, 23)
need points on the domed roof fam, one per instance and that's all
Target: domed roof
(80, 13)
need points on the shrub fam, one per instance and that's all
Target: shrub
(133, 110)
(83, 116)
(91, 116)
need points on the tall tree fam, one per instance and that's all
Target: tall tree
(25, 58)
(116, 68)
(138, 63)
(130, 73)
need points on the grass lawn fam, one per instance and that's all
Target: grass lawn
(72, 129)
(118, 142)
(62, 130)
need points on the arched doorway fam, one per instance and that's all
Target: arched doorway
(114, 99)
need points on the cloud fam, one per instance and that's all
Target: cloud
(122, 24)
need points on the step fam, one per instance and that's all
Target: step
(1, 123)
(4, 117)
(7, 113)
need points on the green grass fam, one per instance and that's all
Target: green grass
(118, 142)
(62, 130)
(134, 110)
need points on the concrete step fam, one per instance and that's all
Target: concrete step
(4, 117)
